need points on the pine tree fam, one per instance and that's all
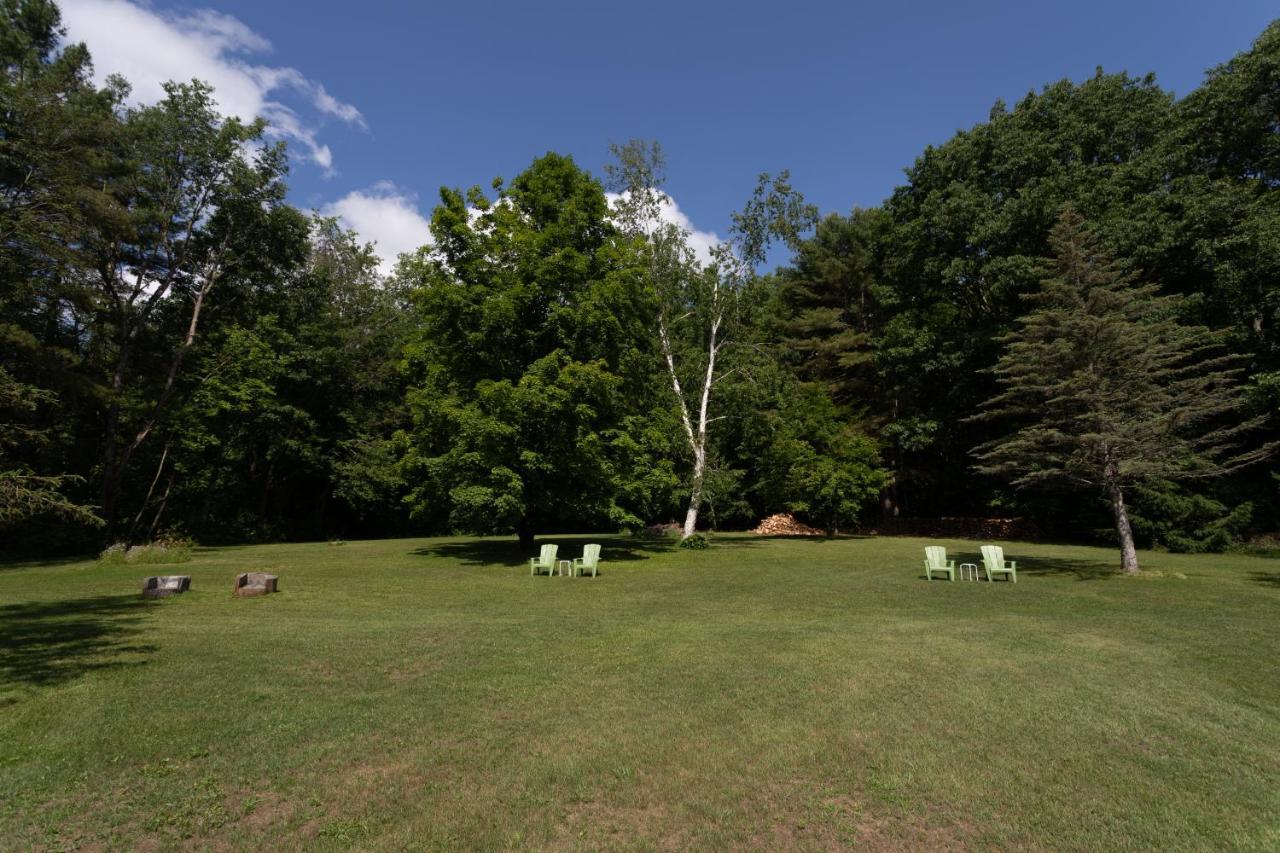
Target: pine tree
(1111, 389)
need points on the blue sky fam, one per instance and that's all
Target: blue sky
(383, 102)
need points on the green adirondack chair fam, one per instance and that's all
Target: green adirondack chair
(994, 562)
(590, 559)
(936, 562)
(546, 559)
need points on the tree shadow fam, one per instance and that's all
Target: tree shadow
(8, 562)
(508, 552)
(1081, 570)
(47, 643)
(1271, 579)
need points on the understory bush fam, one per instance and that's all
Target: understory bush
(696, 542)
(1173, 517)
(166, 549)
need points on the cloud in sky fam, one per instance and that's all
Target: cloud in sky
(150, 47)
(386, 215)
(700, 241)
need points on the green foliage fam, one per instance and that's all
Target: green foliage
(180, 346)
(1108, 389)
(902, 309)
(1170, 516)
(695, 542)
(818, 465)
(23, 493)
(530, 360)
(831, 299)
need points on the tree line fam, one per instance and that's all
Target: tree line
(1072, 302)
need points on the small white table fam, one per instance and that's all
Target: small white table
(565, 566)
(971, 569)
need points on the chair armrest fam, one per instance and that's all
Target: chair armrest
(1011, 564)
(951, 564)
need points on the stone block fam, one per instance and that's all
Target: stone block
(163, 586)
(255, 583)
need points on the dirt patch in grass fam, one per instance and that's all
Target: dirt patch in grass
(601, 824)
(269, 810)
(807, 817)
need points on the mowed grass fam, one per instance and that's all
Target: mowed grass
(767, 693)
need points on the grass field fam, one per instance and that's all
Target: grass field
(767, 693)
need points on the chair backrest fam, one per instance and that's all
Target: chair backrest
(548, 555)
(591, 555)
(993, 556)
(935, 556)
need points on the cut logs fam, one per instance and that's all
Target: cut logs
(784, 524)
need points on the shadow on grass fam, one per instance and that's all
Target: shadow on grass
(491, 552)
(1271, 579)
(1081, 570)
(8, 563)
(52, 642)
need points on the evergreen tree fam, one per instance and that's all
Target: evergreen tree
(1112, 390)
(23, 492)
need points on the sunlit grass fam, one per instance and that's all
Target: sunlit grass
(765, 693)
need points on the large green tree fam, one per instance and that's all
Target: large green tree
(54, 127)
(532, 350)
(194, 195)
(1109, 389)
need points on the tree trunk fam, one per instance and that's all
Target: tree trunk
(525, 532)
(110, 492)
(322, 501)
(889, 499)
(137, 519)
(695, 493)
(1128, 553)
(265, 497)
(155, 522)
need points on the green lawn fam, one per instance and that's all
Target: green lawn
(766, 693)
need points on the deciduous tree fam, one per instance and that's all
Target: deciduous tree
(531, 352)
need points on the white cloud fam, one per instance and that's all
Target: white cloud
(386, 215)
(700, 241)
(149, 47)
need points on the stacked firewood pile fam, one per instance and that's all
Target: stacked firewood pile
(784, 524)
(958, 528)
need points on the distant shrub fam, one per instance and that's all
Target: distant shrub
(660, 531)
(114, 554)
(696, 542)
(166, 549)
(336, 542)
(1261, 545)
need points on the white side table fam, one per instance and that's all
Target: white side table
(565, 566)
(968, 571)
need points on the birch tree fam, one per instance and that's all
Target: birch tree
(700, 305)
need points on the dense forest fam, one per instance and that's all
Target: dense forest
(184, 351)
